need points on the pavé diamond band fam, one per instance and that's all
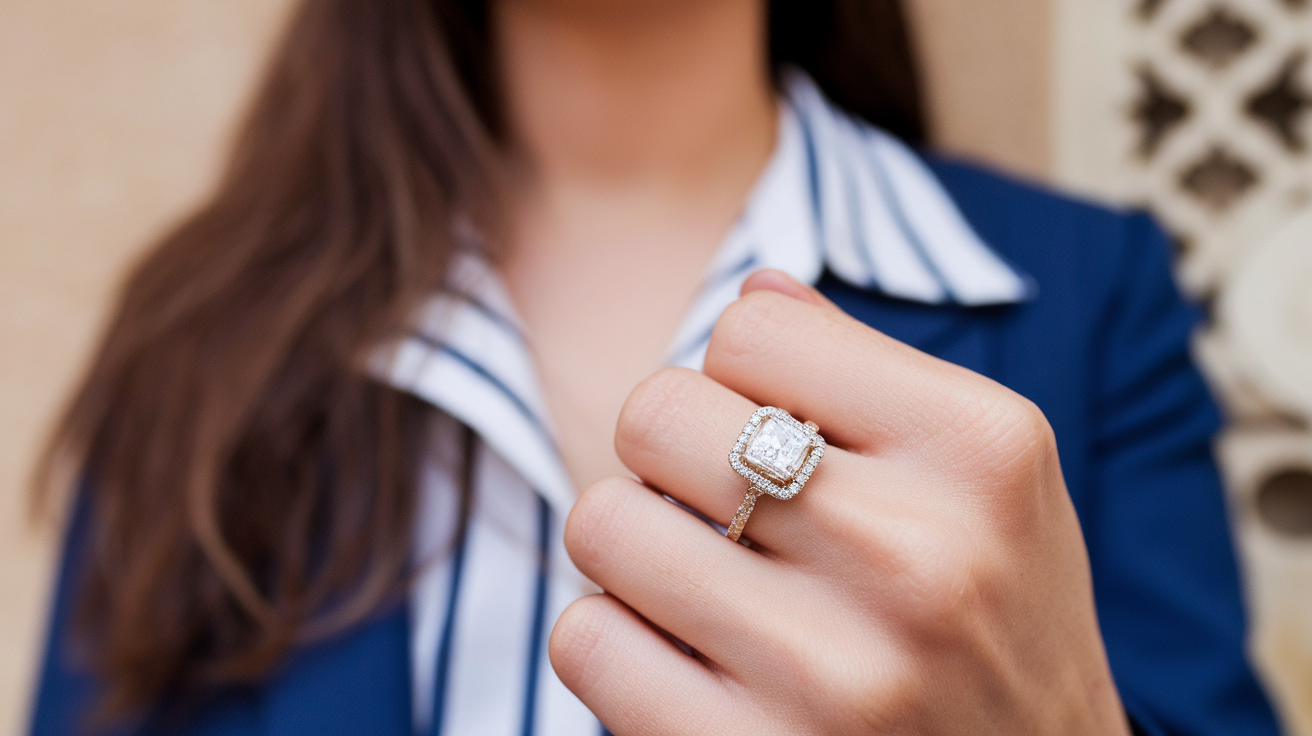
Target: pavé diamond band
(776, 454)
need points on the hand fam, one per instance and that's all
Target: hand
(931, 577)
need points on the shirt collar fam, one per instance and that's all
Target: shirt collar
(842, 195)
(468, 356)
(837, 194)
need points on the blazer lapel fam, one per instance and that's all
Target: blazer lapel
(967, 336)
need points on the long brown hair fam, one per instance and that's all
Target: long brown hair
(247, 486)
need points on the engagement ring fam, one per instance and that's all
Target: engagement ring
(776, 454)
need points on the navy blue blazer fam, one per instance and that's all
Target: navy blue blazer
(1102, 350)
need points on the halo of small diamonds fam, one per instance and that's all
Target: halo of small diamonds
(791, 486)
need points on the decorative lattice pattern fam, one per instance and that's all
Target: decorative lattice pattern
(1214, 103)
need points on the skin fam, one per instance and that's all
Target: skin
(641, 127)
(930, 579)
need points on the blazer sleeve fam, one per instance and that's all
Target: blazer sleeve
(1165, 576)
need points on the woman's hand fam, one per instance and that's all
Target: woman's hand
(930, 578)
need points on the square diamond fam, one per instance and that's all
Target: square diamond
(777, 449)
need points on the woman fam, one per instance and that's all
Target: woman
(336, 429)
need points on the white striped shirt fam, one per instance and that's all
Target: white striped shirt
(837, 194)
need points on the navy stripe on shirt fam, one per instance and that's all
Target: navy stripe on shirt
(487, 375)
(857, 223)
(904, 225)
(813, 181)
(443, 664)
(539, 619)
(480, 306)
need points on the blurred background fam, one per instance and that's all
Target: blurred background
(114, 119)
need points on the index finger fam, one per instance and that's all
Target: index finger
(868, 392)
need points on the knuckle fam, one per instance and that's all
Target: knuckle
(576, 638)
(743, 325)
(1009, 434)
(595, 520)
(1024, 451)
(1029, 419)
(652, 404)
(1020, 427)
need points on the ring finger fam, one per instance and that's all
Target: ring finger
(675, 433)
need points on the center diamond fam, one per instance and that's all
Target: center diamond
(777, 449)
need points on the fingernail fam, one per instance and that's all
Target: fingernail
(769, 279)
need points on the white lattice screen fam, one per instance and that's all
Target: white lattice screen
(1197, 109)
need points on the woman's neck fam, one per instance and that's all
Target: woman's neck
(640, 127)
(666, 93)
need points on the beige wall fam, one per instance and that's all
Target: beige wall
(112, 121)
(988, 76)
(111, 118)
